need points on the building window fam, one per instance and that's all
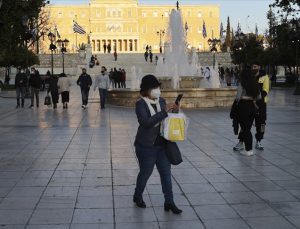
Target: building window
(98, 13)
(199, 14)
(155, 14)
(144, 14)
(144, 29)
(129, 13)
(60, 14)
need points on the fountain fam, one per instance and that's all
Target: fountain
(178, 75)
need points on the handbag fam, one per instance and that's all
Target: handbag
(174, 127)
(48, 101)
(173, 153)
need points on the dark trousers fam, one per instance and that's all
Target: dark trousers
(148, 157)
(21, 92)
(85, 95)
(246, 114)
(123, 84)
(260, 121)
(103, 94)
(35, 93)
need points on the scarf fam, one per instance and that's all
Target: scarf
(153, 102)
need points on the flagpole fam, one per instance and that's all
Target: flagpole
(76, 35)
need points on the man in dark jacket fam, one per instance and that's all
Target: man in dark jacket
(85, 82)
(35, 85)
(53, 89)
(20, 84)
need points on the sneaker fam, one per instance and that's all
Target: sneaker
(247, 153)
(239, 146)
(82, 106)
(259, 146)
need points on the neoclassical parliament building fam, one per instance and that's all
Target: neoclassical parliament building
(130, 26)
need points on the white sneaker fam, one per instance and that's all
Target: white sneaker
(239, 146)
(259, 146)
(247, 153)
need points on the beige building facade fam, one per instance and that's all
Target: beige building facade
(129, 26)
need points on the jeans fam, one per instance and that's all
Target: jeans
(260, 121)
(20, 91)
(148, 157)
(246, 114)
(34, 92)
(102, 93)
(85, 96)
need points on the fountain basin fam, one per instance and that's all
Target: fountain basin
(193, 97)
(184, 82)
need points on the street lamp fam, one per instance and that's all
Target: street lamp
(160, 33)
(213, 44)
(62, 44)
(52, 47)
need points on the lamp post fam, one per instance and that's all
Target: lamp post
(52, 48)
(62, 44)
(213, 48)
(160, 33)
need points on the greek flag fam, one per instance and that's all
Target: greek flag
(204, 33)
(221, 30)
(239, 29)
(77, 28)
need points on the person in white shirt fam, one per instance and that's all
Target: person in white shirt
(102, 83)
(64, 89)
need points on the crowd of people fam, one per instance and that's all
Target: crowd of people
(229, 76)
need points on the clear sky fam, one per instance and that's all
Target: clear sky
(247, 12)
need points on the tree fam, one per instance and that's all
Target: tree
(19, 19)
(228, 38)
(287, 8)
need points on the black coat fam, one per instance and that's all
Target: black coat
(147, 131)
(35, 81)
(21, 80)
(85, 81)
(53, 88)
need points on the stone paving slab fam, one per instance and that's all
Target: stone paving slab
(76, 169)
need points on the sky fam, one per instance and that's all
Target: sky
(246, 12)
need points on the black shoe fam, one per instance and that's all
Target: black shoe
(173, 208)
(139, 202)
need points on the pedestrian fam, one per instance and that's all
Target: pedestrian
(150, 48)
(147, 48)
(115, 55)
(20, 84)
(227, 77)
(146, 54)
(119, 79)
(35, 86)
(102, 83)
(109, 48)
(261, 117)
(123, 78)
(151, 56)
(84, 82)
(64, 89)
(115, 78)
(53, 89)
(111, 78)
(104, 47)
(247, 95)
(156, 60)
(151, 110)
(160, 50)
(97, 61)
(207, 73)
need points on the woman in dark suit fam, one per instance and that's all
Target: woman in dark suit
(151, 110)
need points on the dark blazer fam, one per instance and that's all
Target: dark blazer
(147, 131)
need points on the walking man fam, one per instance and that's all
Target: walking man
(102, 82)
(151, 56)
(35, 85)
(146, 54)
(84, 82)
(20, 84)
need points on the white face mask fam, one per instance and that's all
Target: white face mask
(155, 93)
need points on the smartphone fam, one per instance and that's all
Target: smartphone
(179, 97)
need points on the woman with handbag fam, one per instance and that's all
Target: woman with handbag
(150, 148)
(64, 88)
(53, 89)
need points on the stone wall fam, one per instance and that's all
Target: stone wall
(193, 98)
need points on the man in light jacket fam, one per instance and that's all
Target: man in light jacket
(102, 83)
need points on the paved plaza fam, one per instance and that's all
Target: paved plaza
(77, 169)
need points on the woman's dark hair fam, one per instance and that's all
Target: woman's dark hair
(249, 82)
(145, 93)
